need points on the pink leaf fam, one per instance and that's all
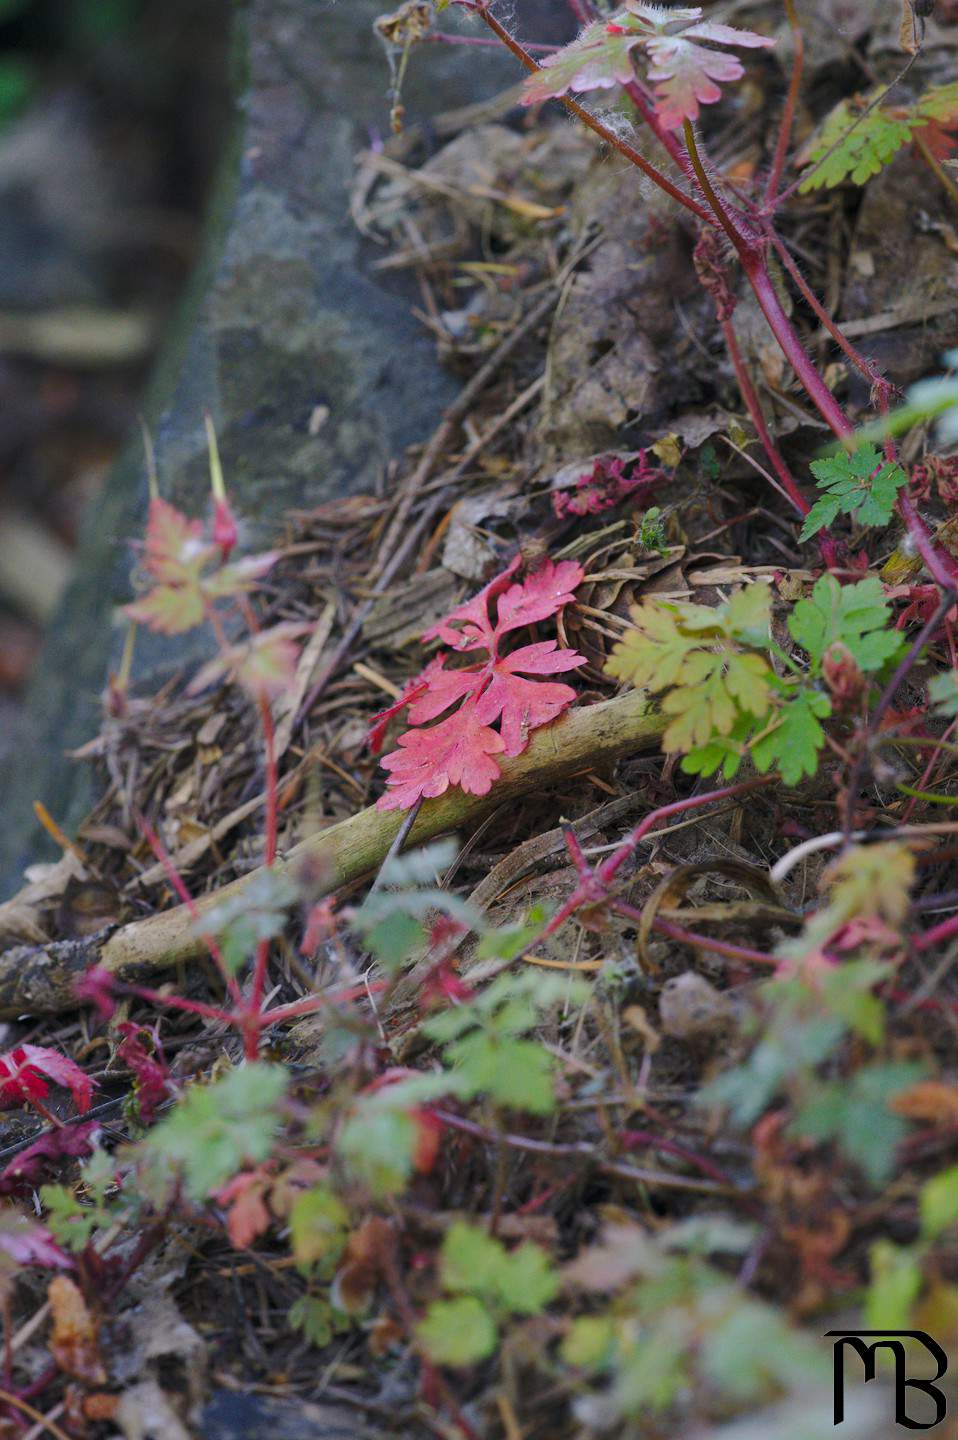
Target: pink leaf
(541, 595)
(174, 544)
(28, 1243)
(457, 751)
(26, 1170)
(23, 1073)
(474, 616)
(686, 76)
(523, 705)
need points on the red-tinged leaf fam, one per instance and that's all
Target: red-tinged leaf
(412, 690)
(239, 577)
(939, 108)
(428, 1138)
(25, 1070)
(174, 547)
(264, 665)
(28, 1243)
(686, 74)
(244, 1200)
(478, 632)
(523, 705)
(27, 1170)
(538, 597)
(599, 59)
(457, 751)
(169, 609)
(148, 1066)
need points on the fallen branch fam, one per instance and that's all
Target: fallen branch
(40, 979)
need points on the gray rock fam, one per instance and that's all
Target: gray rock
(283, 316)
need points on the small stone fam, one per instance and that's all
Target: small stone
(690, 1008)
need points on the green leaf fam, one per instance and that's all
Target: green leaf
(516, 1073)
(938, 1203)
(314, 1318)
(470, 1260)
(823, 513)
(318, 1226)
(894, 1286)
(943, 690)
(590, 1343)
(860, 482)
(864, 145)
(855, 1114)
(215, 1130)
(259, 912)
(797, 738)
(856, 615)
(458, 1332)
(526, 1280)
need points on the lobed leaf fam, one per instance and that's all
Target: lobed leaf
(686, 74)
(861, 482)
(863, 144)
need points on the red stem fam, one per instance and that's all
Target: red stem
(311, 1003)
(610, 867)
(861, 363)
(272, 783)
(174, 1002)
(623, 147)
(179, 885)
(756, 271)
(937, 934)
(788, 114)
(758, 420)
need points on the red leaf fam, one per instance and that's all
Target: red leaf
(524, 705)
(478, 632)
(411, 691)
(22, 1073)
(457, 751)
(939, 107)
(149, 1069)
(26, 1170)
(541, 595)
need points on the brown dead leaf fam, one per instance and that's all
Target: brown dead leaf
(73, 1343)
(931, 1100)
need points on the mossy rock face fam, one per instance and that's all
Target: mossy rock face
(285, 320)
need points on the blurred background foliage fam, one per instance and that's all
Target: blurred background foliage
(113, 114)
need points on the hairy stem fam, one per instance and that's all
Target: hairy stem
(594, 124)
(754, 409)
(791, 99)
